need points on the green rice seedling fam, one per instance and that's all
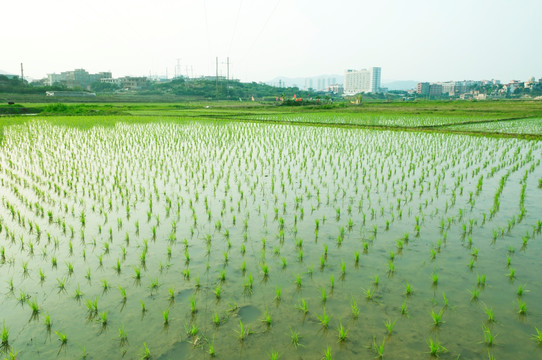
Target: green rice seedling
(445, 299)
(218, 292)
(42, 276)
(343, 268)
(146, 354)
(404, 310)
(489, 313)
(265, 270)
(78, 293)
(379, 349)
(324, 295)
(53, 262)
(327, 354)
(5, 336)
(47, 320)
(520, 290)
(389, 326)
(436, 348)
(434, 278)
(332, 282)
(89, 274)
(171, 295)
(23, 297)
(284, 262)
(105, 285)
(522, 308)
(165, 315)
(137, 272)
(298, 280)
(62, 337)
(303, 306)
(222, 276)
(408, 289)
(300, 255)
(249, 281)
(243, 266)
(154, 285)
(294, 338)
(324, 319)
(193, 305)
(471, 264)
(267, 319)
(391, 268)
(243, 332)
(356, 258)
(103, 318)
(481, 280)
(278, 293)
(538, 336)
(61, 284)
(375, 280)
(369, 294)
(212, 343)
(123, 337)
(355, 308)
(118, 267)
(216, 319)
(475, 293)
(343, 333)
(489, 338)
(192, 330)
(437, 317)
(25, 267)
(143, 307)
(512, 274)
(322, 262)
(92, 306)
(365, 246)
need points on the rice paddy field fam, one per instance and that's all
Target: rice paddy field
(174, 238)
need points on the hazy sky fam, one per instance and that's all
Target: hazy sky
(426, 40)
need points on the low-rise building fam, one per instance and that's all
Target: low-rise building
(78, 78)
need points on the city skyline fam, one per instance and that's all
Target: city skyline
(420, 40)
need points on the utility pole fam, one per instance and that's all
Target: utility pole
(217, 77)
(22, 73)
(228, 77)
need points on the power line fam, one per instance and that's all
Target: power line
(235, 26)
(261, 32)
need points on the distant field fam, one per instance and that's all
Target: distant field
(523, 118)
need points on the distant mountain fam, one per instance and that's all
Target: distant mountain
(401, 85)
(318, 82)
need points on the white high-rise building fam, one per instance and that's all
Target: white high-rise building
(364, 80)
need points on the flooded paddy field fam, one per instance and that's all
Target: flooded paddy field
(200, 239)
